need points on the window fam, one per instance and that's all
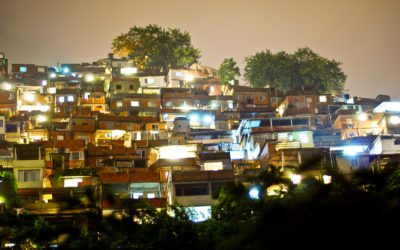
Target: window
(354, 162)
(154, 126)
(28, 175)
(119, 104)
(23, 69)
(151, 104)
(70, 98)
(322, 98)
(397, 142)
(40, 69)
(309, 100)
(137, 195)
(60, 137)
(262, 97)
(76, 155)
(1, 123)
(191, 189)
(131, 86)
(119, 87)
(134, 103)
(141, 153)
(86, 95)
(238, 97)
(61, 99)
(99, 162)
(151, 196)
(179, 74)
(212, 89)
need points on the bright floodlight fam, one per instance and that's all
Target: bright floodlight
(296, 178)
(89, 78)
(327, 179)
(41, 118)
(363, 117)
(189, 77)
(254, 193)
(7, 86)
(394, 119)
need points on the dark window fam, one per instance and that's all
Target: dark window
(119, 87)
(397, 142)
(191, 189)
(131, 86)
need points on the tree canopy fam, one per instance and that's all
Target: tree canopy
(287, 71)
(155, 49)
(228, 70)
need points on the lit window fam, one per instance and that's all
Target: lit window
(119, 104)
(51, 90)
(23, 69)
(70, 98)
(151, 196)
(212, 89)
(61, 99)
(179, 74)
(137, 195)
(309, 100)
(134, 103)
(322, 98)
(28, 175)
(40, 69)
(60, 137)
(86, 95)
(150, 80)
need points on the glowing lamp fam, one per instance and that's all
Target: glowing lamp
(363, 117)
(41, 118)
(89, 78)
(295, 178)
(7, 86)
(189, 77)
(254, 193)
(327, 179)
(65, 70)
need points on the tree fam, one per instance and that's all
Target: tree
(155, 49)
(287, 71)
(228, 70)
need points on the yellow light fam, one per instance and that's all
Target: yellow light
(189, 77)
(41, 118)
(128, 71)
(363, 117)
(29, 97)
(296, 178)
(89, 78)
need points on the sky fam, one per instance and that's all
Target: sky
(363, 35)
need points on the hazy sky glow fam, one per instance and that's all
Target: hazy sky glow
(362, 34)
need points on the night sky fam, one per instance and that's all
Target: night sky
(362, 34)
